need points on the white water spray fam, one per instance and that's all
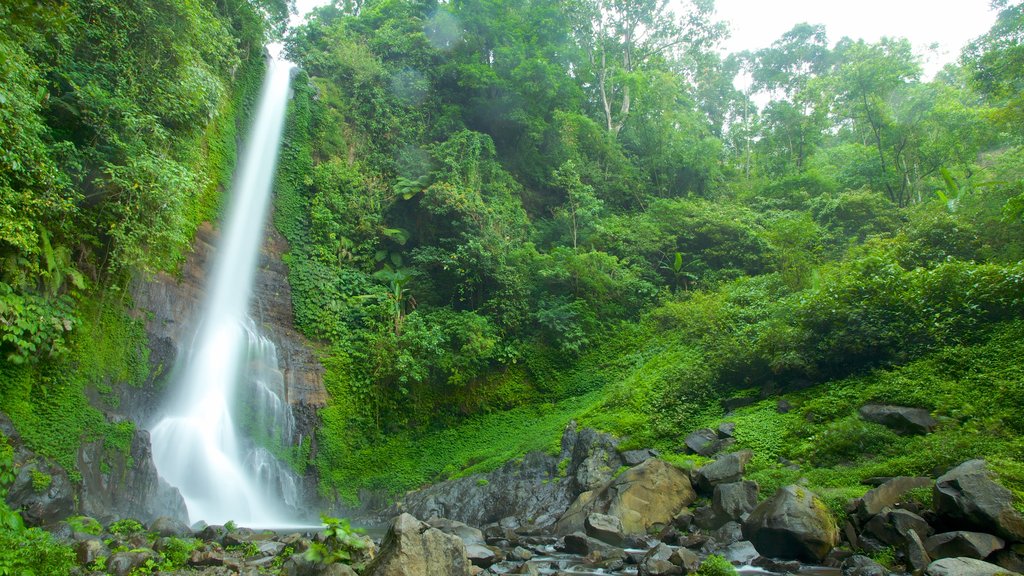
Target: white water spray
(196, 445)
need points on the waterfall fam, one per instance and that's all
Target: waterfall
(231, 376)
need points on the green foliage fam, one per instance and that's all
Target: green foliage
(40, 481)
(341, 542)
(126, 527)
(33, 552)
(47, 400)
(85, 525)
(715, 565)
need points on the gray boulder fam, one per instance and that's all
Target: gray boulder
(41, 504)
(741, 553)
(888, 494)
(966, 567)
(657, 562)
(580, 543)
(901, 419)
(701, 441)
(413, 548)
(967, 497)
(636, 457)
(963, 544)
(859, 565)
(917, 554)
(792, 524)
(726, 469)
(167, 526)
(467, 533)
(482, 556)
(605, 528)
(734, 500)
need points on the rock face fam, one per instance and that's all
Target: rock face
(651, 493)
(535, 490)
(792, 524)
(967, 497)
(413, 548)
(173, 303)
(170, 305)
(902, 419)
(111, 489)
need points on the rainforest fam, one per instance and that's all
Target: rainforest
(547, 287)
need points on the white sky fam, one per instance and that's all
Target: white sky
(756, 24)
(950, 23)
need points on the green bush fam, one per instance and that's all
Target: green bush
(715, 565)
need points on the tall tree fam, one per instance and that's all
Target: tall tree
(623, 39)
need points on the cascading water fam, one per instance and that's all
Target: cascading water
(196, 445)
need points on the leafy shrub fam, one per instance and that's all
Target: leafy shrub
(125, 527)
(85, 525)
(33, 552)
(715, 565)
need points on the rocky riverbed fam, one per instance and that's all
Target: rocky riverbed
(593, 509)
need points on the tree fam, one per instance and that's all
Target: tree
(623, 39)
(866, 81)
(581, 207)
(794, 122)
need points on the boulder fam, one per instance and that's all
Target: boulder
(641, 497)
(917, 554)
(728, 534)
(605, 528)
(792, 524)
(859, 565)
(685, 559)
(583, 545)
(701, 442)
(888, 494)
(881, 529)
(167, 526)
(741, 553)
(657, 562)
(967, 497)
(1009, 559)
(41, 491)
(734, 500)
(636, 457)
(481, 555)
(467, 533)
(413, 548)
(87, 551)
(905, 521)
(726, 469)
(124, 563)
(727, 430)
(965, 567)
(963, 544)
(901, 419)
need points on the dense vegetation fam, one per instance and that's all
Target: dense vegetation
(506, 215)
(118, 127)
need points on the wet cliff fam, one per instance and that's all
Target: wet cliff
(170, 306)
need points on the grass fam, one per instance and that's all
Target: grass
(976, 391)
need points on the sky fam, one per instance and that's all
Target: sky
(951, 24)
(756, 24)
